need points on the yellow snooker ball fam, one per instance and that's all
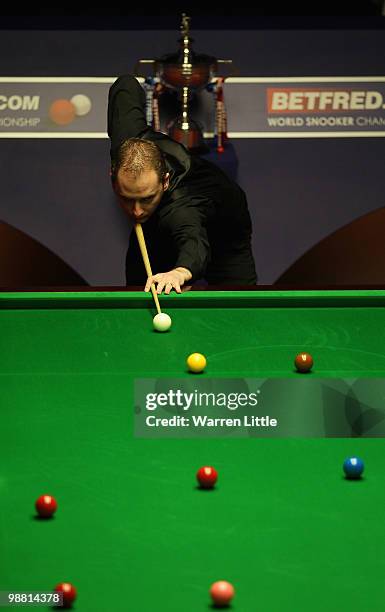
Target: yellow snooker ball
(196, 362)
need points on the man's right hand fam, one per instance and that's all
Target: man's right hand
(168, 281)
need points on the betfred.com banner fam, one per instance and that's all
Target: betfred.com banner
(66, 107)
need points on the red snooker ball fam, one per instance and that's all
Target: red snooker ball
(46, 506)
(62, 112)
(207, 477)
(222, 592)
(69, 593)
(303, 362)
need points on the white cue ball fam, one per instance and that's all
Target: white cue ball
(82, 104)
(162, 322)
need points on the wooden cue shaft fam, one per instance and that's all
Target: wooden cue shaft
(146, 261)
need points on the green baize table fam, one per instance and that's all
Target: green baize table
(132, 530)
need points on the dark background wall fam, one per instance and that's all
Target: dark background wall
(299, 190)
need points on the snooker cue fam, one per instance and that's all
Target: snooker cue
(146, 261)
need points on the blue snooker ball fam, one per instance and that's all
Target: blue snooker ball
(353, 467)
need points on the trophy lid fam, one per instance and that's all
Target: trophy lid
(185, 67)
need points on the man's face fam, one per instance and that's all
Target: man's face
(140, 195)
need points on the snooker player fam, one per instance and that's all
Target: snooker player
(195, 219)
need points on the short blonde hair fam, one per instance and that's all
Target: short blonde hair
(137, 154)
